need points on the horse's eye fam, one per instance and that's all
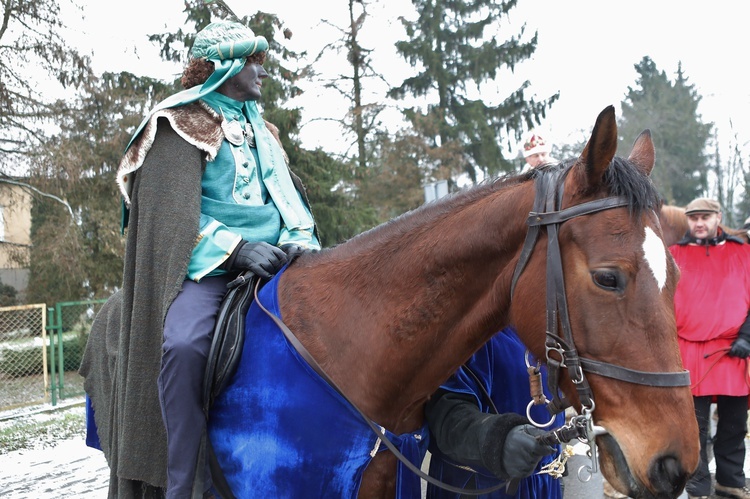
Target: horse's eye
(606, 279)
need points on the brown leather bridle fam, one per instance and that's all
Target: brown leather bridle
(547, 213)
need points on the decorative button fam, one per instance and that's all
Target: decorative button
(233, 132)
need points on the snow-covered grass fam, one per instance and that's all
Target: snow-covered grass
(41, 427)
(43, 454)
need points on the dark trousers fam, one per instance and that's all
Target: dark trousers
(188, 329)
(729, 445)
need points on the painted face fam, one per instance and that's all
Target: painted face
(538, 159)
(246, 84)
(704, 225)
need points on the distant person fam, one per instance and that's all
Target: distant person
(464, 432)
(536, 151)
(711, 302)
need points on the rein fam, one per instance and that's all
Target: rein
(560, 348)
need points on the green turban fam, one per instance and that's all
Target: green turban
(225, 43)
(227, 40)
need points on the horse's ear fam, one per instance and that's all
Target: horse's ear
(643, 155)
(601, 147)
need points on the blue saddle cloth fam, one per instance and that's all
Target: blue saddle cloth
(279, 430)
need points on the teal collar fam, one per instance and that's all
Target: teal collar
(223, 105)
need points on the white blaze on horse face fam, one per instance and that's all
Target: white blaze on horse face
(656, 256)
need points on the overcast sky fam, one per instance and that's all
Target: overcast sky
(587, 50)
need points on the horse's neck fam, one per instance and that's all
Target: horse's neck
(392, 316)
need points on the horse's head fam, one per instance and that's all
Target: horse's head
(620, 281)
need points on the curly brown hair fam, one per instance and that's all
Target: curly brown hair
(198, 70)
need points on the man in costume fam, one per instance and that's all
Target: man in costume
(209, 195)
(711, 308)
(474, 444)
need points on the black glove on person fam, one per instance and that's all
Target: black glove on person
(522, 452)
(504, 444)
(262, 259)
(740, 348)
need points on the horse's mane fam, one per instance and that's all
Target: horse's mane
(622, 178)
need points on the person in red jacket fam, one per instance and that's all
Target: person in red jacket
(711, 309)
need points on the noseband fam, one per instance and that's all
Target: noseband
(550, 185)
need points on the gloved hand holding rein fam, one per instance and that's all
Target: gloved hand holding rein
(262, 259)
(521, 452)
(741, 346)
(504, 444)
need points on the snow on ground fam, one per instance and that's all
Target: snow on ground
(43, 454)
(70, 469)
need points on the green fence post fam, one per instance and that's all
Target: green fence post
(61, 356)
(51, 327)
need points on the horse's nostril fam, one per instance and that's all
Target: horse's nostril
(668, 477)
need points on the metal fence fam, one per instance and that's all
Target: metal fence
(40, 351)
(24, 366)
(69, 325)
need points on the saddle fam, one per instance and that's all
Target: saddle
(223, 359)
(228, 338)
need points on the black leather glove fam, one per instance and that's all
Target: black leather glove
(468, 436)
(740, 348)
(293, 251)
(522, 452)
(262, 259)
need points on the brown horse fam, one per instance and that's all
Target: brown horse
(674, 225)
(392, 313)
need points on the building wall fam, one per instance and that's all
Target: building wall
(15, 235)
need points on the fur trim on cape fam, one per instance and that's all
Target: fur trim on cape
(196, 123)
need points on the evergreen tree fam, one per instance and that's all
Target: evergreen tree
(670, 110)
(81, 258)
(454, 43)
